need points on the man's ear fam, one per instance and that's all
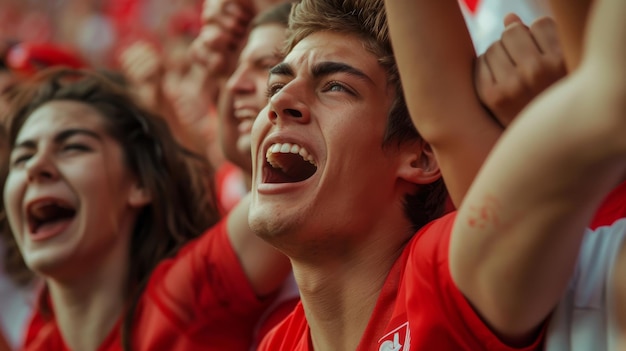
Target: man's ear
(139, 196)
(419, 165)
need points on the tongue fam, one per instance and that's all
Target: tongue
(52, 227)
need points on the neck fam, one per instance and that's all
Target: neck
(88, 307)
(339, 295)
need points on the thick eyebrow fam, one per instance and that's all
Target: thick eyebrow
(59, 138)
(322, 69)
(327, 68)
(282, 69)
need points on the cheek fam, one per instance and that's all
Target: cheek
(261, 89)
(97, 181)
(259, 127)
(12, 196)
(256, 137)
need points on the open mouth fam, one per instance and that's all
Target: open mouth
(288, 163)
(44, 215)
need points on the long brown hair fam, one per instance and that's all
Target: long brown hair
(178, 182)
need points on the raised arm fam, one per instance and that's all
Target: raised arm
(518, 233)
(435, 58)
(571, 17)
(439, 67)
(224, 29)
(266, 267)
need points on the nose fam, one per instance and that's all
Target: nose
(240, 82)
(40, 168)
(288, 105)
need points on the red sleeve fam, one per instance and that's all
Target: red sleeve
(450, 308)
(277, 315)
(205, 290)
(42, 334)
(291, 334)
(612, 209)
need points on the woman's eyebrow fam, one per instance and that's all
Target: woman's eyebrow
(59, 138)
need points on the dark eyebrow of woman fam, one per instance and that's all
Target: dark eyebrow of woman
(59, 138)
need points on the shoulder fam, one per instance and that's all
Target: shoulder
(42, 334)
(205, 275)
(432, 240)
(177, 270)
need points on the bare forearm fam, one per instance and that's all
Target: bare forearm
(266, 267)
(571, 19)
(435, 58)
(524, 217)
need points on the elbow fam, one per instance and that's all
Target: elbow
(508, 316)
(499, 304)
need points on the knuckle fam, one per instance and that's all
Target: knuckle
(495, 97)
(533, 69)
(513, 30)
(543, 24)
(506, 92)
(556, 65)
(554, 54)
(512, 89)
(492, 54)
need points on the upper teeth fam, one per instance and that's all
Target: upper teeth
(287, 148)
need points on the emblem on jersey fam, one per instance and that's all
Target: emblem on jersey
(398, 339)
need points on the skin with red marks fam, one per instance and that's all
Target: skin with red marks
(486, 215)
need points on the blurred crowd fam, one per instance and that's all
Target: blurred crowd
(94, 29)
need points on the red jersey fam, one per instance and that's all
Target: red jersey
(613, 208)
(199, 300)
(419, 307)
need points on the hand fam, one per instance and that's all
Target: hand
(224, 28)
(141, 63)
(518, 67)
(188, 103)
(143, 66)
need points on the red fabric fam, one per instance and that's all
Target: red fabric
(277, 315)
(198, 300)
(124, 13)
(612, 209)
(472, 5)
(185, 22)
(419, 306)
(29, 58)
(229, 186)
